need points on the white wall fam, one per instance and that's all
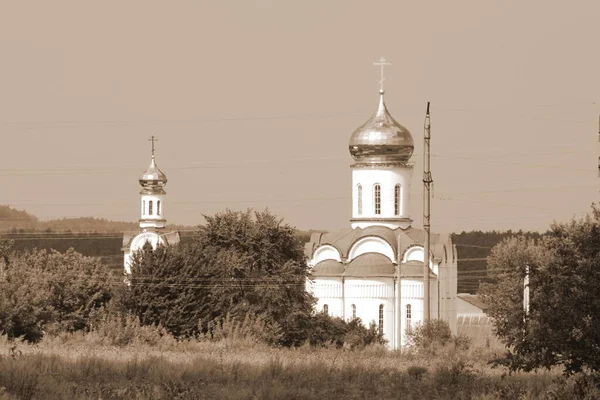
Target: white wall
(368, 295)
(387, 178)
(155, 220)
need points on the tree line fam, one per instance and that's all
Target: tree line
(240, 266)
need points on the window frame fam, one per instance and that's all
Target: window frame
(377, 199)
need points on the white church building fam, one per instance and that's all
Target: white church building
(152, 220)
(374, 271)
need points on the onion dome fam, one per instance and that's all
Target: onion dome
(381, 139)
(153, 180)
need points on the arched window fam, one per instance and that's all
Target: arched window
(158, 207)
(325, 309)
(353, 311)
(143, 207)
(381, 318)
(150, 207)
(408, 318)
(397, 200)
(377, 198)
(359, 198)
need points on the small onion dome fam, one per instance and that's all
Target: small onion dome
(153, 178)
(381, 139)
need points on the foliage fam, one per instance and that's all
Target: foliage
(123, 330)
(251, 328)
(47, 289)
(433, 332)
(473, 248)
(326, 330)
(240, 264)
(67, 370)
(563, 323)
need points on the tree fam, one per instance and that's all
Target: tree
(38, 288)
(240, 263)
(562, 326)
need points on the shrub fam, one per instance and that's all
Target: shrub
(38, 288)
(326, 330)
(252, 327)
(429, 334)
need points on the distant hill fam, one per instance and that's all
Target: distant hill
(94, 237)
(99, 237)
(14, 221)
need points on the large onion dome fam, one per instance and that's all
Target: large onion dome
(381, 139)
(153, 180)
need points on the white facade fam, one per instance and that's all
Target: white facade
(393, 184)
(152, 220)
(152, 211)
(375, 271)
(393, 302)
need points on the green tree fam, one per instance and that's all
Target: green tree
(562, 326)
(38, 288)
(240, 264)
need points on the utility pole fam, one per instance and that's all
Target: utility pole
(427, 181)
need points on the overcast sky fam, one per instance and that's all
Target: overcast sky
(254, 102)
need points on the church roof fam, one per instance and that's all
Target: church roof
(381, 139)
(370, 265)
(328, 268)
(399, 239)
(413, 269)
(473, 299)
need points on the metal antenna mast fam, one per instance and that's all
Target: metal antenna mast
(427, 181)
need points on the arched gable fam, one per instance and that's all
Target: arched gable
(371, 244)
(416, 252)
(326, 252)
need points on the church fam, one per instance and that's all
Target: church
(152, 220)
(375, 270)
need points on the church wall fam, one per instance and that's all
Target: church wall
(387, 178)
(368, 295)
(328, 291)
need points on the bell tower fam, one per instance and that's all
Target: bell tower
(381, 174)
(152, 194)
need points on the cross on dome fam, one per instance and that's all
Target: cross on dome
(153, 139)
(381, 63)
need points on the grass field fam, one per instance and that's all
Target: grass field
(80, 367)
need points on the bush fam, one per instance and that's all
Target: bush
(334, 331)
(39, 288)
(429, 334)
(251, 328)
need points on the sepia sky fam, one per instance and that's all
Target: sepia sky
(254, 102)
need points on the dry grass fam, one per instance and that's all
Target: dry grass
(77, 366)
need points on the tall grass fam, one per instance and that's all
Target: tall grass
(81, 366)
(119, 359)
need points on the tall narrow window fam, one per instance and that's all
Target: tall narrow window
(353, 311)
(381, 318)
(377, 198)
(359, 198)
(408, 318)
(325, 309)
(150, 207)
(143, 207)
(397, 200)
(158, 207)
